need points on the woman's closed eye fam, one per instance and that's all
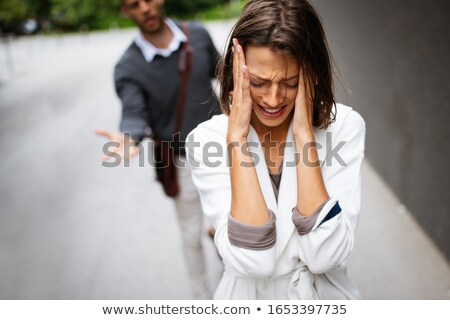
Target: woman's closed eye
(256, 84)
(291, 85)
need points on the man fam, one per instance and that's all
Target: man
(147, 81)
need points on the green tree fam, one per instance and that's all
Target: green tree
(38, 9)
(95, 14)
(187, 7)
(73, 13)
(13, 11)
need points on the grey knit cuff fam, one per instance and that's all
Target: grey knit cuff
(252, 237)
(305, 224)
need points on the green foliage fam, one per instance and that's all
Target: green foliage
(229, 10)
(71, 14)
(38, 9)
(12, 11)
(186, 7)
(103, 14)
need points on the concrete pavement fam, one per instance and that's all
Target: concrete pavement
(71, 229)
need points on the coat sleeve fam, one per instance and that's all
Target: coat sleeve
(212, 179)
(331, 239)
(134, 108)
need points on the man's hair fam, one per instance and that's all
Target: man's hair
(290, 28)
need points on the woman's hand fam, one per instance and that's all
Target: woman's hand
(303, 115)
(241, 106)
(311, 190)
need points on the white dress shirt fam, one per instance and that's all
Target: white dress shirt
(150, 51)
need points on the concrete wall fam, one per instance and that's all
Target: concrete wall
(395, 57)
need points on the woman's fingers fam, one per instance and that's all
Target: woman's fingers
(241, 102)
(241, 54)
(301, 93)
(245, 86)
(303, 103)
(241, 65)
(245, 79)
(240, 74)
(236, 67)
(243, 83)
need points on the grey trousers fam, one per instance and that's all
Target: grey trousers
(190, 219)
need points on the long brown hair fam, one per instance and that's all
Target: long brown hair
(287, 27)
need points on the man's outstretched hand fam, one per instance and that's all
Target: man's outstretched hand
(123, 146)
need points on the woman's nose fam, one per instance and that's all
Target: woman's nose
(273, 96)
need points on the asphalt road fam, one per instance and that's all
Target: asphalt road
(72, 229)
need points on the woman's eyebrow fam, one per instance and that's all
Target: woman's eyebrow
(266, 79)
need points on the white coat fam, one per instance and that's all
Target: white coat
(310, 266)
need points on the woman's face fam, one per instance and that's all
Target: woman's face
(273, 86)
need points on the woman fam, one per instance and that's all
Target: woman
(285, 195)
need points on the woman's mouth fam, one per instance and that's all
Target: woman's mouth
(272, 113)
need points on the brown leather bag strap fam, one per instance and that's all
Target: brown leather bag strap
(184, 68)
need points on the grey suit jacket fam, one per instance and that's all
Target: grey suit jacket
(149, 91)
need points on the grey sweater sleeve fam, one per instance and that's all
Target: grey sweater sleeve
(134, 110)
(252, 237)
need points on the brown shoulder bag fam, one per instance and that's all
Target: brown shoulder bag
(164, 151)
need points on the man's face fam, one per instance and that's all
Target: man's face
(148, 15)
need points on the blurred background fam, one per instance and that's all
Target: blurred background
(23, 17)
(72, 229)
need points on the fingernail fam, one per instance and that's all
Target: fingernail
(238, 49)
